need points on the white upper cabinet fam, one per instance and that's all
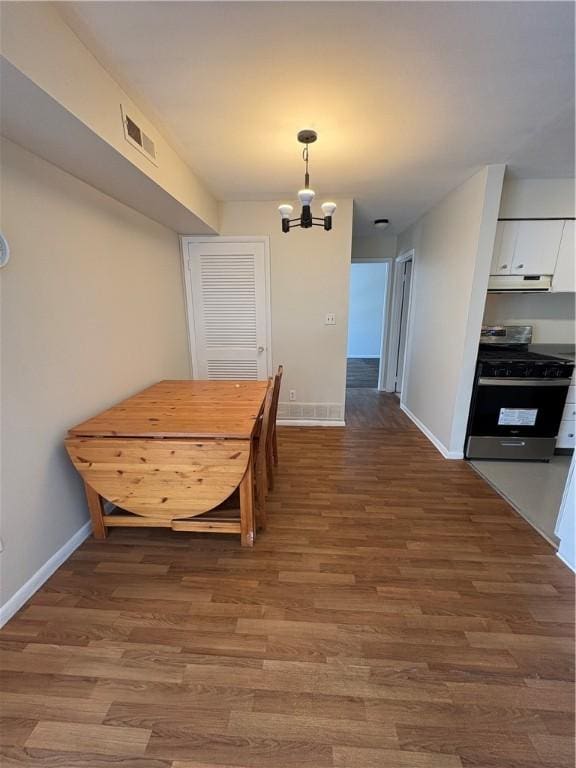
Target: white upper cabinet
(526, 247)
(537, 246)
(563, 280)
(504, 244)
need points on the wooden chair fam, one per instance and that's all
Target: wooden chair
(272, 442)
(261, 471)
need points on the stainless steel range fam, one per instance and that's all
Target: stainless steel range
(518, 397)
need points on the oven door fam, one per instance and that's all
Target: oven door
(516, 418)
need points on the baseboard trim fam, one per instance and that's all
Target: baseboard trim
(310, 423)
(13, 604)
(433, 439)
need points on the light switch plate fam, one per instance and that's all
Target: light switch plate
(330, 319)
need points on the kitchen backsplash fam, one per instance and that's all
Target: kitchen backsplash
(552, 315)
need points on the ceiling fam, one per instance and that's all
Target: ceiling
(409, 98)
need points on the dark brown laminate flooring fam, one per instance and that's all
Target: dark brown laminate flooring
(362, 372)
(397, 613)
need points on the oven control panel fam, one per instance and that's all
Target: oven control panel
(515, 369)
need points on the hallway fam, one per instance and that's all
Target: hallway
(396, 613)
(362, 372)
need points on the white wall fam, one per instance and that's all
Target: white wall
(537, 199)
(39, 44)
(374, 247)
(92, 311)
(309, 278)
(367, 292)
(551, 315)
(453, 245)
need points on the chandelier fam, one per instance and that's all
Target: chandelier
(306, 195)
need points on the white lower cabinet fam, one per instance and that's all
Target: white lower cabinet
(567, 430)
(567, 434)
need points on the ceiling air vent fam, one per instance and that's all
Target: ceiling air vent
(135, 135)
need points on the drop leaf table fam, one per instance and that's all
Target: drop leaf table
(170, 454)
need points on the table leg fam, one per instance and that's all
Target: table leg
(96, 512)
(247, 507)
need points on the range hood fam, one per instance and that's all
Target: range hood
(519, 283)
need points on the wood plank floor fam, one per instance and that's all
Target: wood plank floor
(362, 372)
(396, 614)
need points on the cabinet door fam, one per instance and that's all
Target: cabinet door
(566, 434)
(563, 280)
(537, 246)
(506, 232)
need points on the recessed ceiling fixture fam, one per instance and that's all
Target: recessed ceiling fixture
(381, 223)
(306, 196)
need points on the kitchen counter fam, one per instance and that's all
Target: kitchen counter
(567, 351)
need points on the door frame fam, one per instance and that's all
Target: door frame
(185, 241)
(394, 326)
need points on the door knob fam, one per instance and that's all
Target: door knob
(260, 349)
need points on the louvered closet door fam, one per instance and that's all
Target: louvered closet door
(228, 291)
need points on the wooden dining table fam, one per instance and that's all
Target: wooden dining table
(170, 454)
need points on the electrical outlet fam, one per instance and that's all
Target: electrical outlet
(330, 319)
(292, 395)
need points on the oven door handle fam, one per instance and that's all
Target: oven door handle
(508, 444)
(524, 382)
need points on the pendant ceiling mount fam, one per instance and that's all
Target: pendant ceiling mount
(306, 195)
(307, 136)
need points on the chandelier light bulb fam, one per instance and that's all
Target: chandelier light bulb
(328, 208)
(306, 196)
(286, 210)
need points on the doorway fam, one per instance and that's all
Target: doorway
(367, 305)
